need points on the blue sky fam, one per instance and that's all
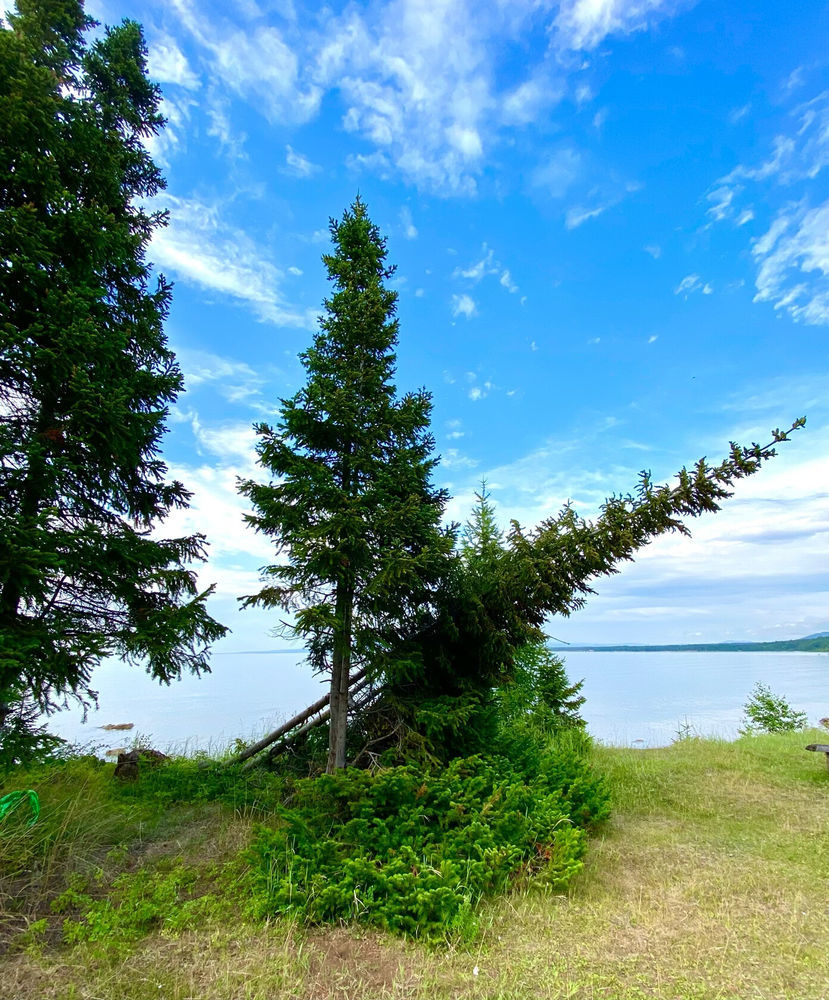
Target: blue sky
(611, 225)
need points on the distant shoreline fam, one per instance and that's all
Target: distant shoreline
(817, 644)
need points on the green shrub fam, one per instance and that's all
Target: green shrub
(769, 713)
(415, 852)
(174, 897)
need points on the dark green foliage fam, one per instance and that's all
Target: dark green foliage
(415, 851)
(86, 375)
(766, 712)
(350, 500)
(496, 596)
(23, 738)
(540, 692)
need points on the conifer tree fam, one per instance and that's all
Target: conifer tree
(350, 501)
(86, 375)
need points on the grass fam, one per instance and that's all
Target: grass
(711, 881)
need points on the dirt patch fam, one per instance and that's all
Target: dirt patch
(343, 962)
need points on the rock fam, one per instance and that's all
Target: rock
(128, 763)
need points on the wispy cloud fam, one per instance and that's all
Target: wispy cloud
(487, 266)
(793, 263)
(599, 199)
(409, 228)
(693, 283)
(584, 24)
(474, 272)
(254, 61)
(235, 380)
(464, 305)
(200, 247)
(297, 164)
(792, 256)
(166, 63)
(558, 172)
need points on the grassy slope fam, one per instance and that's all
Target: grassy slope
(709, 882)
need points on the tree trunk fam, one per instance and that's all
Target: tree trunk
(340, 677)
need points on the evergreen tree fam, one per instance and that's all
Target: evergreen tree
(496, 596)
(85, 372)
(351, 501)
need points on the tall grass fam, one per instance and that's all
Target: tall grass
(709, 882)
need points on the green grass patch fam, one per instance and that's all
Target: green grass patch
(708, 882)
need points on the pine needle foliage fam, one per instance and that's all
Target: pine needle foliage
(350, 501)
(498, 593)
(86, 375)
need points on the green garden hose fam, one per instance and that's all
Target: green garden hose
(10, 802)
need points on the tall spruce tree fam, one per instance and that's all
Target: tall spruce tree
(351, 502)
(85, 372)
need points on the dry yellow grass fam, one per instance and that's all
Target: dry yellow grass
(711, 881)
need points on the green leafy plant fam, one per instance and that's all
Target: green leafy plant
(766, 712)
(415, 852)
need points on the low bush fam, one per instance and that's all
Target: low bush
(766, 712)
(415, 852)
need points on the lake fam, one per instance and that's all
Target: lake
(639, 699)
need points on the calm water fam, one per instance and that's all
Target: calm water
(631, 697)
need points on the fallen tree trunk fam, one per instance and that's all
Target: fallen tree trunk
(286, 727)
(293, 737)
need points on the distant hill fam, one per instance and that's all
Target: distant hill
(818, 643)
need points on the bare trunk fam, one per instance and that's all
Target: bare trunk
(321, 706)
(340, 678)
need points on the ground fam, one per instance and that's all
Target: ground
(709, 882)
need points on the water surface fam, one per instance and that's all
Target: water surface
(640, 699)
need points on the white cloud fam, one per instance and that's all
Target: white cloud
(233, 442)
(738, 114)
(577, 215)
(295, 271)
(487, 266)
(200, 247)
(558, 173)
(453, 459)
(297, 164)
(524, 104)
(409, 228)
(221, 127)
(235, 380)
(217, 510)
(583, 93)
(584, 24)
(254, 61)
(721, 199)
(793, 263)
(418, 81)
(693, 283)
(166, 63)
(654, 250)
(464, 305)
(474, 272)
